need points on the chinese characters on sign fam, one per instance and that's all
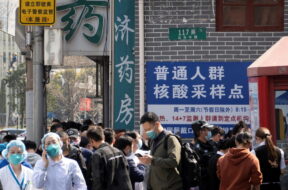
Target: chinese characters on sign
(185, 92)
(37, 12)
(86, 26)
(198, 91)
(187, 33)
(254, 106)
(87, 13)
(124, 27)
(85, 104)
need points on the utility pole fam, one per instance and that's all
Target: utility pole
(29, 95)
(38, 84)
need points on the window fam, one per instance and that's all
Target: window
(249, 15)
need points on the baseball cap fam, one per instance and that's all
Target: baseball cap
(200, 124)
(73, 132)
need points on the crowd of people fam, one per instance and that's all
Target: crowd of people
(72, 156)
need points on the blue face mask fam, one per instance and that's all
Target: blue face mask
(53, 150)
(16, 159)
(209, 135)
(151, 134)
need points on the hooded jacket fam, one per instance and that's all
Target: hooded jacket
(238, 170)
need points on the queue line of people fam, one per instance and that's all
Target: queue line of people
(95, 158)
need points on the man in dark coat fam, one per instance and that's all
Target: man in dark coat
(137, 172)
(109, 166)
(204, 149)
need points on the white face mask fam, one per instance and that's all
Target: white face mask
(256, 143)
(129, 153)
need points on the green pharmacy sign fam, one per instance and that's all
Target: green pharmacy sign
(87, 13)
(187, 33)
(86, 27)
(124, 64)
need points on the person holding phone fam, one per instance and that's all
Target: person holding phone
(15, 175)
(54, 171)
(163, 160)
(136, 171)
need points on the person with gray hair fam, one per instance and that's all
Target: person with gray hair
(15, 175)
(54, 171)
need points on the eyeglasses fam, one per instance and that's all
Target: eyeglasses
(50, 142)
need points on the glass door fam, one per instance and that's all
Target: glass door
(281, 114)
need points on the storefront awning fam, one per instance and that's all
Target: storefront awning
(273, 62)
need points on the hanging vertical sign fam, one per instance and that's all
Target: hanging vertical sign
(124, 42)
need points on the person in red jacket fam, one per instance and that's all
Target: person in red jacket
(239, 169)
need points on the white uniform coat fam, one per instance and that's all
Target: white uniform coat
(63, 175)
(8, 182)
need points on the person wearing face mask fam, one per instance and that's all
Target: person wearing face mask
(217, 134)
(164, 158)
(74, 136)
(15, 175)
(81, 144)
(72, 151)
(239, 169)
(54, 171)
(109, 167)
(136, 172)
(4, 162)
(271, 159)
(32, 156)
(138, 151)
(204, 148)
(137, 145)
(137, 140)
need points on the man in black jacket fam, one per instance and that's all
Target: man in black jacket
(109, 166)
(204, 149)
(137, 172)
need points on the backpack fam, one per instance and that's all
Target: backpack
(189, 168)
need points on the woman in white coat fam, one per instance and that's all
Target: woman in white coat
(54, 171)
(15, 176)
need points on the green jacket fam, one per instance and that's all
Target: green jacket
(164, 174)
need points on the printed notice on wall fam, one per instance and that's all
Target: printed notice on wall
(184, 92)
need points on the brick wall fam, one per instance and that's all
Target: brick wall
(160, 15)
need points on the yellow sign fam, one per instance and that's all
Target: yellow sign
(37, 12)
